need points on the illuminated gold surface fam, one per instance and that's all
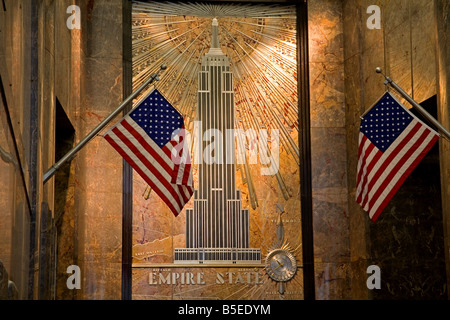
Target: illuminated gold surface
(260, 42)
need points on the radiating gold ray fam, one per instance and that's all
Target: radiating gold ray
(213, 10)
(256, 78)
(260, 41)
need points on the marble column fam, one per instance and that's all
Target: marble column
(328, 151)
(98, 196)
(442, 9)
(357, 77)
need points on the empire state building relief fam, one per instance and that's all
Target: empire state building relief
(232, 75)
(217, 228)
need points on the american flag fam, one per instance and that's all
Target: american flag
(151, 138)
(392, 142)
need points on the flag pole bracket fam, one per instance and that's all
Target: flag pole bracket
(72, 153)
(444, 132)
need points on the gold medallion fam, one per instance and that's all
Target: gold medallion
(281, 265)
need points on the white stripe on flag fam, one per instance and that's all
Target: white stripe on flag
(404, 168)
(152, 144)
(181, 172)
(379, 178)
(166, 175)
(163, 155)
(165, 158)
(144, 168)
(368, 161)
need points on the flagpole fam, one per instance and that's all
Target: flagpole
(69, 155)
(429, 117)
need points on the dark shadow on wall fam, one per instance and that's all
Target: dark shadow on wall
(58, 228)
(65, 220)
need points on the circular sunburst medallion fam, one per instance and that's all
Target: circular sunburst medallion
(281, 265)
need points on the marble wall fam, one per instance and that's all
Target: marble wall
(95, 65)
(442, 8)
(328, 149)
(82, 71)
(99, 177)
(16, 159)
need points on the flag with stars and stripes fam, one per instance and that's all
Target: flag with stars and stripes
(392, 142)
(151, 138)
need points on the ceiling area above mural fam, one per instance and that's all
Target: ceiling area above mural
(260, 42)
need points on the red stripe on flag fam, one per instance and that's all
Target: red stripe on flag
(366, 152)
(186, 167)
(407, 172)
(369, 169)
(147, 147)
(386, 162)
(142, 174)
(361, 145)
(161, 161)
(172, 172)
(187, 171)
(406, 156)
(168, 186)
(176, 167)
(183, 195)
(166, 149)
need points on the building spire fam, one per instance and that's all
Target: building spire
(215, 44)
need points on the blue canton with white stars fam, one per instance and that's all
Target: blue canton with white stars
(385, 122)
(158, 118)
